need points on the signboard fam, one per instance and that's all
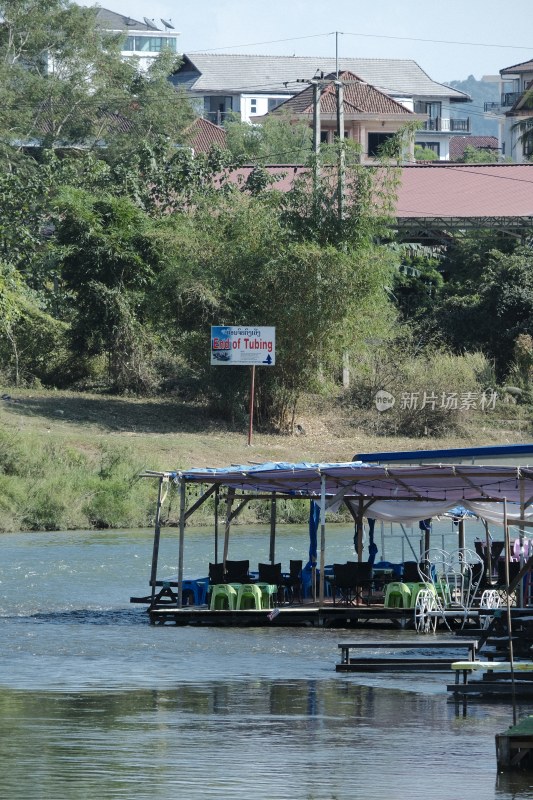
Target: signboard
(240, 345)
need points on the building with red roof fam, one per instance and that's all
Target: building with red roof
(370, 116)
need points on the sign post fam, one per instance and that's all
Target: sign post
(242, 345)
(252, 392)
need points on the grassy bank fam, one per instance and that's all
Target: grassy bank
(72, 461)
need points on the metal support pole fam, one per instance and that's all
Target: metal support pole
(461, 534)
(360, 532)
(272, 550)
(217, 498)
(521, 541)
(181, 542)
(322, 539)
(157, 536)
(509, 622)
(229, 503)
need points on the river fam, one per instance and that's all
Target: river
(96, 703)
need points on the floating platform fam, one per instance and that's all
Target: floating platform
(306, 615)
(514, 748)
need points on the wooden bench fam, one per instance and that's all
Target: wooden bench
(417, 662)
(467, 667)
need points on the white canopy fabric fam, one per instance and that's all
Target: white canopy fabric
(403, 493)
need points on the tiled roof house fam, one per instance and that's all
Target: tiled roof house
(370, 116)
(203, 135)
(458, 144)
(252, 85)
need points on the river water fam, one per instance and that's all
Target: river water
(96, 703)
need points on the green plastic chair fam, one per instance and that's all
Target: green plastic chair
(223, 597)
(397, 595)
(416, 588)
(249, 596)
(268, 593)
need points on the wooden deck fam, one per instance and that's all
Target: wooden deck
(306, 615)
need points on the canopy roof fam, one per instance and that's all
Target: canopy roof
(400, 493)
(436, 482)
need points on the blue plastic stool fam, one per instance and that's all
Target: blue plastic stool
(197, 591)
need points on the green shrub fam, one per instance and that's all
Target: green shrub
(434, 391)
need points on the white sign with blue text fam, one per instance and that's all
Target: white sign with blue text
(242, 345)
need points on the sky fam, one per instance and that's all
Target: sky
(449, 40)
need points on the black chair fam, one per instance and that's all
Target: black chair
(271, 573)
(216, 574)
(410, 572)
(237, 572)
(350, 581)
(293, 582)
(514, 569)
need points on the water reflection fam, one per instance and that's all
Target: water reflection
(96, 703)
(294, 739)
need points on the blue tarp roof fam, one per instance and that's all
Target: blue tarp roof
(508, 452)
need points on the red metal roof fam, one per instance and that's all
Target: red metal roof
(466, 190)
(444, 190)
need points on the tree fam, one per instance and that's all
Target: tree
(243, 258)
(492, 308)
(425, 154)
(479, 155)
(275, 140)
(64, 84)
(108, 260)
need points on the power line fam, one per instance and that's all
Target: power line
(257, 44)
(438, 41)
(366, 36)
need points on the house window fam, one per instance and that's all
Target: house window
(274, 102)
(253, 106)
(150, 44)
(217, 108)
(435, 146)
(324, 137)
(376, 142)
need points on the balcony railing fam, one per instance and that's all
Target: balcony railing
(217, 117)
(510, 98)
(492, 108)
(446, 125)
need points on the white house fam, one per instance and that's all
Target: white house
(143, 40)
(253, 85)
(515, 110)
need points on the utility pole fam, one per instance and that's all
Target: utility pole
(317, 91)
(341, 178)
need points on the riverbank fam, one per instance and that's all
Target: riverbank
(71, 461)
